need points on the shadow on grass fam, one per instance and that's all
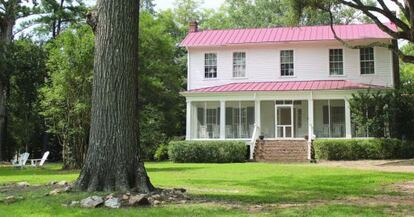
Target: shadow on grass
(171, 169)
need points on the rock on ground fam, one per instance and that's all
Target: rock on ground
(91, 202)
(113, 203)
(23, 184)
(138, 200)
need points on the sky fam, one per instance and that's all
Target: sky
(165, 4)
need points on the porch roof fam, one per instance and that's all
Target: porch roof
(287, 86)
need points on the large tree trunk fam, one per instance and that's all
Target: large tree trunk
(113, 159)
(6, 36)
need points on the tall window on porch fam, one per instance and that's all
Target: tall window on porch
(329, 118)
(239, 119)
(367, 60)
(239, 64)
(336, 62)
(210, 65)
(208, 120)
(286, 63)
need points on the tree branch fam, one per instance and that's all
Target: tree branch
(367, 11)
(394, 49)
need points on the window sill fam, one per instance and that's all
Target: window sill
(239, 78)
(287, 77)
(366, 74)
(337, 75)
(210, 79)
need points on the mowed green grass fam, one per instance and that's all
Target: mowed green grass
(245, 183)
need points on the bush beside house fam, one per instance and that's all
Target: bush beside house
(207, 151)
(357, 149)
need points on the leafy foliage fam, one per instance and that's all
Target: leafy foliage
(66, 98)
(357, 149)
(161, 77)
(27, 69)
(207, 152)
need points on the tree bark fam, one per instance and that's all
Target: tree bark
(113, 159)
(6, 36)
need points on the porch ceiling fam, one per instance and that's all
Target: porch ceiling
(287, 86)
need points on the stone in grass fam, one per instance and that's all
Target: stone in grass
(23, 184)
(139, 200)
(91, 202)
(113, 203)
(74, 203)
(59, 190)
(182, 190)
(11, 199)
(62, 183)
(156, 202)
(53, 183)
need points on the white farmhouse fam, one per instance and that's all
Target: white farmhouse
(286, 85)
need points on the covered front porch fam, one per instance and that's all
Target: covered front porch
(272, 115)
(282, 118)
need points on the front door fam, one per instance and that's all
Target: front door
(284, 121)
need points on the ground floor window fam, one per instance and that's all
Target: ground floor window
(239, 119)
(329, 118)
(207, 120)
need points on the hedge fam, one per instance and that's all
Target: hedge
(207, 151)
(358, 149)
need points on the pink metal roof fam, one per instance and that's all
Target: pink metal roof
(287, 86)
(283, 34)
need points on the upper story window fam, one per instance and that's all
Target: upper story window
(336, 62)
(210, 65)
(239, 64)
(367, 60)
(286, 63)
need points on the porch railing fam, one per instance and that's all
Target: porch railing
(252, 142)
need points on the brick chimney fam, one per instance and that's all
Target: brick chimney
(193, 26)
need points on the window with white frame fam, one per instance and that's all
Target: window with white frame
(336, 62)
(207, 120)
(286, 63)
(239, 64)
(210, 65)
(367, 60)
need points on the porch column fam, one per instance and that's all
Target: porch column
(222, 119)
(257, 116)
(188, 121)
(348, 133)
(310, 125)
(310, 120)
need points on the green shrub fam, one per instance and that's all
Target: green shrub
(161, 153)
(356, 149)
(207, 151)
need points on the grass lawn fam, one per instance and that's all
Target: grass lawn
(231, 189)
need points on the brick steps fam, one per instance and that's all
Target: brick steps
(281, 150)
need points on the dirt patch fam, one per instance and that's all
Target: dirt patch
(405, 187)
(405, 166)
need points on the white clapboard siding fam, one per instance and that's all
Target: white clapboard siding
(263, 64)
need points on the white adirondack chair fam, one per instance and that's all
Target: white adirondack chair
(21, 161)
(39, 162)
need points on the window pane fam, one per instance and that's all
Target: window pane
(286, 63)
(336, 66)
(239, 64)
(210, 65)
(367, 60)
